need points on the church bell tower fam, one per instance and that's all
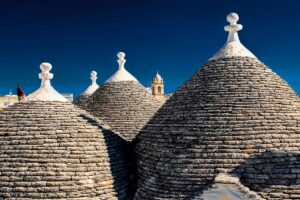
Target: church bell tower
(158, 87)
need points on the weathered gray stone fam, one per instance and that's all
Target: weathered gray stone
(53, 150)
(233, 115)
(125, 106)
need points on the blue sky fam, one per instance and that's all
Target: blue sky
(174, 37)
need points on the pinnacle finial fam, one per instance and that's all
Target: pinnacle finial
(233, 28)
(94, 76)
(233, 47)
(121, 61)
(45, 75)
(121, 55)
(94, 86)
(46, 92)
(121, 74)
(232, 18)
(46, 67)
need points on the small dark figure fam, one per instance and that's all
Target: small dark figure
(20, 93)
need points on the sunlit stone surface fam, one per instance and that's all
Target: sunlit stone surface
(233, 116)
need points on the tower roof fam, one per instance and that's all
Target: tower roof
(121, 74)
(157, 77)
(52, 149)
(221, 121)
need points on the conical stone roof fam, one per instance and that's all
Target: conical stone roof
(233, 116)
(124, 104)
(50, 149)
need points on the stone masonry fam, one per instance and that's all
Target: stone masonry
(125, 105)
(233, 116)
(53, 150)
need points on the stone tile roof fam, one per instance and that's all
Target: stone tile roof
(222, 120)
(125, 105)
(81, 99)
(53, 150)
(227, 186)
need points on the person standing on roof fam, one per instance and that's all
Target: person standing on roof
(20, 93)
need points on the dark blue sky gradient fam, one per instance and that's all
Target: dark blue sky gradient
(174, 37)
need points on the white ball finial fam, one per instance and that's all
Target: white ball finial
(46, 92)
(121, 74)
(232, 18)
(121, 61)
(93, 73)
(94, 76)
(233, 47)
(45, 67)
(45, 75)
(93, 86)
(121, 55)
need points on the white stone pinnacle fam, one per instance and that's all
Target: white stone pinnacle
(94, 76)
(233, 47)
(121, 61)
(46, 92)
(93, 87)
(121, 74)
